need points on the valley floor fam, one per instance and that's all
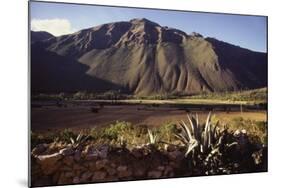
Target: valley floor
(80, 117)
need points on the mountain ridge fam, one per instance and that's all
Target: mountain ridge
(39, 36)
(144, 58)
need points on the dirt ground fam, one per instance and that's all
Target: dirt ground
(49, 118)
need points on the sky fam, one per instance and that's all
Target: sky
(58, 19)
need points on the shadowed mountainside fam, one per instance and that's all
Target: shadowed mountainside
(39, 36)
(51, 72)
(144, 58)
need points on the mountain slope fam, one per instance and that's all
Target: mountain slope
(52, 73)
(141, 57)
(39, 36)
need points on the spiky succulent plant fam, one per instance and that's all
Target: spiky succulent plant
(152, 137)
(202, 140)
(78, 140)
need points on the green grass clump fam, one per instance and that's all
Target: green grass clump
(256, 129)
(115, 130)
(167, 131)
(259, 95)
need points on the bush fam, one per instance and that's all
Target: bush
(166, 132)
(37, 138)
(257, 130)
(115, 130)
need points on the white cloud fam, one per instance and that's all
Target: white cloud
(56, 27)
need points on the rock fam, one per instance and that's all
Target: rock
(78, 167)
(111, 171)
(76, 180)
(139, 172)
(92, 166)
(194, 34)
(68, 160)
(104, 147)
(77, 155)
(79, 172)
(66, 151)
(39, 149)
(103, 154)
(123, 172)
(161, 168)
(49, 163)
(121, 168)
(63, 179)
(175, 165)
(175, 155)
(170, 148)
(56, 177)
(65, 168)
(103, 151)
(99, 175)
(92, 156)
(154, 174)
(137, 152)
(69, 174)
(113, 165)
(101, 164)
(168, 171)
(86, 175)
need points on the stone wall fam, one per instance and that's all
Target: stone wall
(60, 163)
(71, 165)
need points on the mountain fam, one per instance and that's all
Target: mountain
(143, 58)
(39, 36)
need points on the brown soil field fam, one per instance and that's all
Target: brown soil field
(49, 118)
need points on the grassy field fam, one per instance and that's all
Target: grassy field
(237, 97)
(253, 96)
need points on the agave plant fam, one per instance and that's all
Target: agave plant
(198, 139)
(152, 137)
(78, 140)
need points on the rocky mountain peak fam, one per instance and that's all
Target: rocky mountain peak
(143, 21)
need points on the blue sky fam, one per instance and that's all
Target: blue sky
(245, 31)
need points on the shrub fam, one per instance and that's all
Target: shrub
(114, 130)
(66, 135)
(167, 131)
(257, 130)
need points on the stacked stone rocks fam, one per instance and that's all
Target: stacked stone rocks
(72, 165)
